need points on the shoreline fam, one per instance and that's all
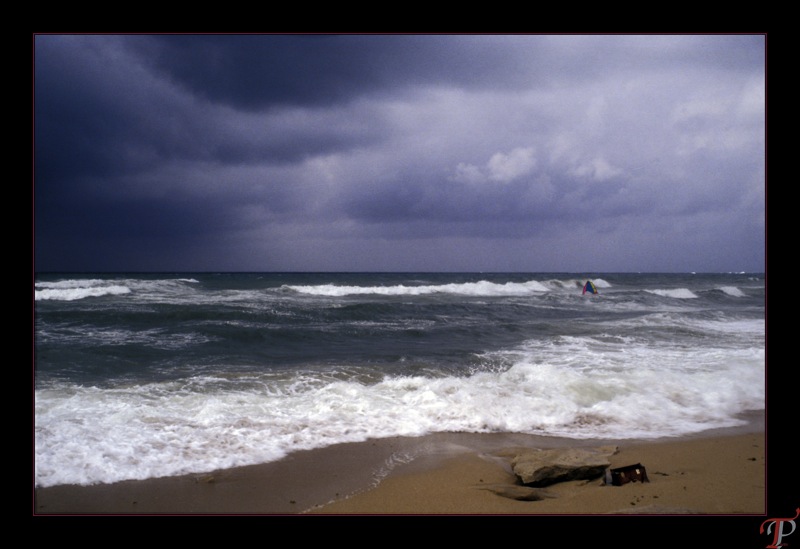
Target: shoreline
(714, 472)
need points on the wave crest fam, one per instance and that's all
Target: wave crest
(480, 288)
(71, 294)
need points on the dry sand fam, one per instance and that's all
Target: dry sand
(456, 473)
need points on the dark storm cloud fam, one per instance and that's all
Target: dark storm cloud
(252, 72)
(101, 108)
(263, 152)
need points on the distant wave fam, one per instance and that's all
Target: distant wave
(677, 293)
(572, 284)
(599, 283)
(70, 290)
(79, 293)
(73, 283)
(74, 289)
(732, 290)
(481, 288)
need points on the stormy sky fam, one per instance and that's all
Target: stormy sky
(544, 153)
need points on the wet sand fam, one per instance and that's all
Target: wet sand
(451, 473)
(724, 475)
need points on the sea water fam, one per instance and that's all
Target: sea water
(149, 375)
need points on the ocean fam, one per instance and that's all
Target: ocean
(148, 375)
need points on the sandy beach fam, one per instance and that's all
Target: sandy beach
(451, 473)
(723, 475)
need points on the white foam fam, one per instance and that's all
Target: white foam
(677, 293)
(71, 294)
(600, 283)
(732, 290)
(575, 387)
(480, 288)
(74, 289)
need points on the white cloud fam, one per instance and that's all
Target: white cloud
(501, 167)
(469, 174)
(598, 169)
(507, 167)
